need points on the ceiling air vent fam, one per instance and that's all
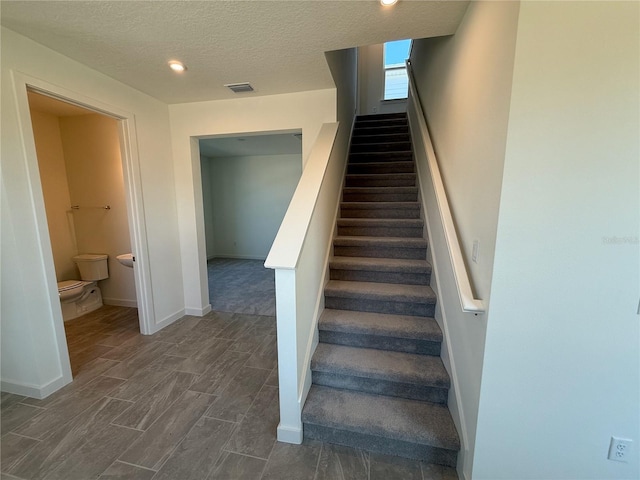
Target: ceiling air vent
(240, 87)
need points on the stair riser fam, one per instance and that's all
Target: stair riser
(400, 278)
(410, 232)
(386, 138)
(389, 157)
(406, 345)
(424, 393)
(380, 306)
(374, 117)
(380, 147)
(379, 197)
(396, 213)
(380, 122)
(380, 168)
(408, 180)
(373, 443)
(380, 252)
(370, 131)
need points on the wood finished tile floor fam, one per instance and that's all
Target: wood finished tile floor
(197, 400)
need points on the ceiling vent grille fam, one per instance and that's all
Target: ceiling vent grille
(240, 87)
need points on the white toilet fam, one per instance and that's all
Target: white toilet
(78, 297)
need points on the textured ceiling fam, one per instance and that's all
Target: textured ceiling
(252, 145)
(278, 46)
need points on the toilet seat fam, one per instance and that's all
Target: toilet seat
(71, 290)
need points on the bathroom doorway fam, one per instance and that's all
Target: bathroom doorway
(81, 173)
(247, 183)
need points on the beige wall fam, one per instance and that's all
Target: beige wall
(94, 170)
(55, 188)
(464, 84)
(562, 365)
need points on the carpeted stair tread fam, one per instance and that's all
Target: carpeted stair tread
(386, 180)
(389, 417)
(380, 205)
(380, 222)
(380, 190)
(381, 168)
(380, 156)
(374, 364)
(397, 242)
(389, 292)
(380, 264)
(366, 323)
(386, 137)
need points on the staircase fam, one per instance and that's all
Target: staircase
(378, 381)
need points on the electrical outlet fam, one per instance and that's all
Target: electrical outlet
(474, 254)
(620, 449)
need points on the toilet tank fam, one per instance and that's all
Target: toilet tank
(92, 266)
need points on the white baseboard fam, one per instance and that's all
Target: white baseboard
(120, 302)
(34, 391)
(290, 434)
(198, 312)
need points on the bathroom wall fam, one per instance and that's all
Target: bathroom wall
(80, 164)
(94, 170)
(246, 202)
(55, 188)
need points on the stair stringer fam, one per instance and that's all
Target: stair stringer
(454, 402)
(313, 340)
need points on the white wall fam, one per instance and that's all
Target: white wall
(561, 373)
(249, 197)
(305, 111)
(464, 84)
(205, 170)
(34, 357)
(94, 171)
(371, 83)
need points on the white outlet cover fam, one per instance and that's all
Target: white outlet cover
(620, 449)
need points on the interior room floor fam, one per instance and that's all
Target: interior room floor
(241, 286)
(198, 400)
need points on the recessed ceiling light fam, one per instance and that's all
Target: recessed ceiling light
(388, 3)
(177, 66)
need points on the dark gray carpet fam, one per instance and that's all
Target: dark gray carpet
(241, 286)
(377, 378)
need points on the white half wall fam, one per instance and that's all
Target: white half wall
(34, 356)
(561, 370)
(249, 197)
(464, 85)
(304, 111)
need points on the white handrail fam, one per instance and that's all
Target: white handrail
(467, 300)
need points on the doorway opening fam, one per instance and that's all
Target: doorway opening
(247, 184)
(81, 156)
